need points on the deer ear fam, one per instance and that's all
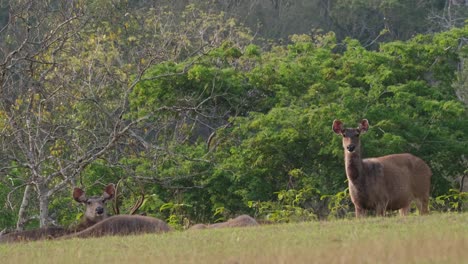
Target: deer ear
(79, 195)
(109, 192)
(363, 126)
(337, 127)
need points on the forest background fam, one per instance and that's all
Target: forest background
(204, 110)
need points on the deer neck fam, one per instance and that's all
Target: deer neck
(353, 163)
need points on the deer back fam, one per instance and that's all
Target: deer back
(404, 175)
(240, 221)
(33, 235)
(123, 225)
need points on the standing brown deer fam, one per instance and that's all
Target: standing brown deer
(385, 183)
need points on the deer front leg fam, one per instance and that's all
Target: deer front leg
(405, 210)
(360, 212)
(380, 210)
(423, 205)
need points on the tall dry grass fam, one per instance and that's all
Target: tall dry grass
(437, 238)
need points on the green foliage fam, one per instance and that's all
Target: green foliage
(397, 19)
(9, 217)
(338, 204)
(220, 125)
(176, 216)
(400, 89)
(289, 207)
(453, 201)
(281, 141)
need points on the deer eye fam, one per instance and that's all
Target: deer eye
(88, 202)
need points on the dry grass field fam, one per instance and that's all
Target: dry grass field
(437, 238)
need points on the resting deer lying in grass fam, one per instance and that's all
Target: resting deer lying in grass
(98, 223)
(34, 234)
(240, 221)
(95, 212)
(385, 183)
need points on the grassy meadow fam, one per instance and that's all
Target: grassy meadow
(438, 238)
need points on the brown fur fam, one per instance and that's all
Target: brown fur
(390, 182)
(97, 223)
(198, 226)
(33, 235)
(95, 212)
(240, 221)
(123, 225)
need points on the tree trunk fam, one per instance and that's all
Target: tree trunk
(22, 218)
(43, 206)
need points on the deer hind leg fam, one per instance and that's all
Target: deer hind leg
(405, 210)
(381, 209)
(423, 205)
(360, 212)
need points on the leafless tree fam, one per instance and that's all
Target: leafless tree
(66, 73)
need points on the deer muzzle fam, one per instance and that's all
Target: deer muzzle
(351, 147)
(99, 210)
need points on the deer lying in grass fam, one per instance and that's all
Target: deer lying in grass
(34, 234)
(98, 223)
(240, 221)
(122, 225)
(385, 183)
(95, 212)
(95, 222)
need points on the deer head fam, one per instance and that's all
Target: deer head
(95, 206)
(351, 141)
